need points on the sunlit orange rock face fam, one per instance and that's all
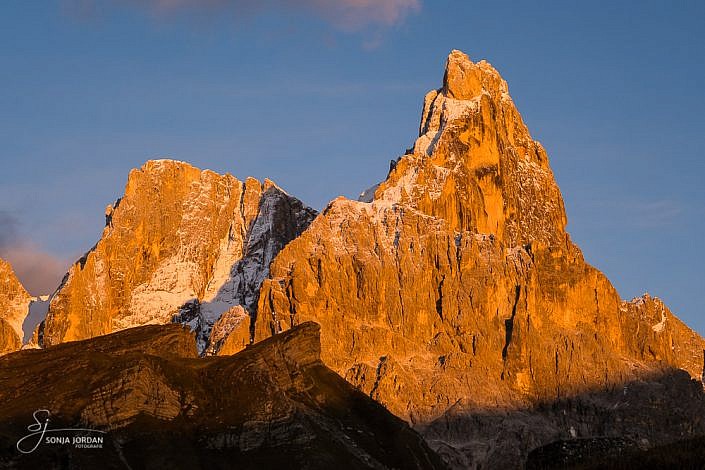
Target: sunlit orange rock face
(181, 241)
(14, 305)
(231, 333)
(457, 285)
(451, 292)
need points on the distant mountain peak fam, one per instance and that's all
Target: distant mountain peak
(14, 307)
(181, 243)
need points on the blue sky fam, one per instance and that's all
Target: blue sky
(320, 95)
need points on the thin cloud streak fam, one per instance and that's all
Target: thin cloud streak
(344, 15)
(656, 214)
(353, 15)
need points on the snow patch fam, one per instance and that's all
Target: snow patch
(406, 184)
(243, 262)
(368, 194)
(439, 115)
(155, 301)
(659, 327)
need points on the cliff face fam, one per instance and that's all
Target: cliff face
(457, 285)
(475, 165)
(181, 243)
(274, 405)
(14, 306)
(451, 294)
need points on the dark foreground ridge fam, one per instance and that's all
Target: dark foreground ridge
(655, 421)
(274, 405)
(618, 454)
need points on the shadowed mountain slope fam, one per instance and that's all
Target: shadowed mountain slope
(274, 405)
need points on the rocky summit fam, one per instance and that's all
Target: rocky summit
(182, 244)
(450, 293)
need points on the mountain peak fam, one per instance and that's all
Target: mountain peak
(475, 164)
(465, 80)
(462, 79)
(455, 288)
(182, 244)
(161, 162)
(14, 306)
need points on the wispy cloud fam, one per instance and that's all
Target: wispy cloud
(655, 214)
(38, 271)
(344, 15)
(352, 15)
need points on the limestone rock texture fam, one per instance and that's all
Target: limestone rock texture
(14, 307)
(182, 244)
(457, 287)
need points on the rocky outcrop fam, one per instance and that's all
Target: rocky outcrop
(457, 286)
(231, 333)
(273, 405)
(14, 306)
(181, 242)
(658, 335)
